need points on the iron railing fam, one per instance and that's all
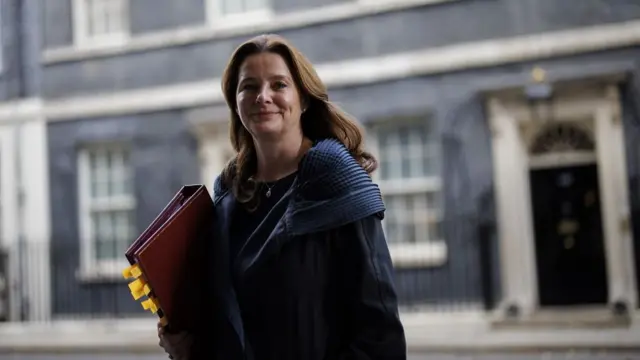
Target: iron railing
(44, 281)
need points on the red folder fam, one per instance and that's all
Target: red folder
(168, 260)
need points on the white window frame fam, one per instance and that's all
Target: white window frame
(90, 267)
(418, 255)
(81, 20)
(1, 40)
(218, 19)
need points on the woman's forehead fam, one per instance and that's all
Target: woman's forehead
(264, 65)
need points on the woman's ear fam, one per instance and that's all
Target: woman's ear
(304, 103)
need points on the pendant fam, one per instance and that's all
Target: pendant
(268, 194)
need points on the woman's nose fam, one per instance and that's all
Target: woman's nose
(264, 96)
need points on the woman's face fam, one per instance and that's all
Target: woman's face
(268, 100)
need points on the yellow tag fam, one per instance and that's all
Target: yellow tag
(137, 294)
(137, 285)
(150, 305)
(132, 271)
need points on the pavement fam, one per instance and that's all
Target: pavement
(438, 337)
(566, 355)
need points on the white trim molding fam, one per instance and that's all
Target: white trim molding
(24, 202)
(424, 211)
(213, 29)
(421, 255)
(365, 71)
(26, 110)
(110, 168)
(214, 148)
(597, 106)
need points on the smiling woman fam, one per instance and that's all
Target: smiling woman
(300, 265)
(269, 104)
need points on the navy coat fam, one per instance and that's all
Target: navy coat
(322, 281)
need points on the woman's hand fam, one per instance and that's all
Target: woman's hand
(177, 345)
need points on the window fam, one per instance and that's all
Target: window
(409, 178)
(1, 39)
(107, 206)
(238, 12)
(99, 22)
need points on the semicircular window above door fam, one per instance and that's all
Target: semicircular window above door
(561, 138)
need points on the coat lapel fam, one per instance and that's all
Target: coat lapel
(256, 250)
(224, 290)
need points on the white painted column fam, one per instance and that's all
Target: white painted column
(35, 177)
(214, 150)
(615, 199)
(513, 203)
(8, 213)
(23, 148)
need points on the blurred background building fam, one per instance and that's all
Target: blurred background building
(508, 134)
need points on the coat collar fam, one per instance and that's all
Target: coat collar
(330, 190)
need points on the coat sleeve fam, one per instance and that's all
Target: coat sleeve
(367, 278)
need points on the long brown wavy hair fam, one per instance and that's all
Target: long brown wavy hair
(321, 120)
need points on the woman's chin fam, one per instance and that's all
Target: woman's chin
(267, 130)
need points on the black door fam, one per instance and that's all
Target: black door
(569, 239)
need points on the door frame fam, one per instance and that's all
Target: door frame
(597, 104)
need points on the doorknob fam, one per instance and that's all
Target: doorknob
(625, 225)
(568, 227)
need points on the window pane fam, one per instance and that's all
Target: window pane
(99, 173)
(103, 235)
(109, 173)
(251, 5)
(93, 175)
(435, 231)
(113, 233)
(124, 230)
(407, 150)
(232, 6)
(115, 17)
(412, 218)
(95, 23)
(105, 17)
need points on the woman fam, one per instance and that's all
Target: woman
(300, 265)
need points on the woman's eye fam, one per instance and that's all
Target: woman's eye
(280, 85)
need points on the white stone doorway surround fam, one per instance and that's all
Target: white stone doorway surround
(590, 105)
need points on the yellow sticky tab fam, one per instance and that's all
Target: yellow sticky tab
(150, 305)
(146, 289)
(137, 294)
(156, 306)
(137, 285)
(126, 273)
(135, 271)
(132, 271)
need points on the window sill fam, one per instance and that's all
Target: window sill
(432, 254)
(96, 275)
(207, 32)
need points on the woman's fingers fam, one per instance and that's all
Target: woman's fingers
(176, 345)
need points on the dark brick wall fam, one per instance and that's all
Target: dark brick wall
(386, 33)
(20, 71)
(164, 158)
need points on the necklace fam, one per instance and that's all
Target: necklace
(304, 145)
(268, 193)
